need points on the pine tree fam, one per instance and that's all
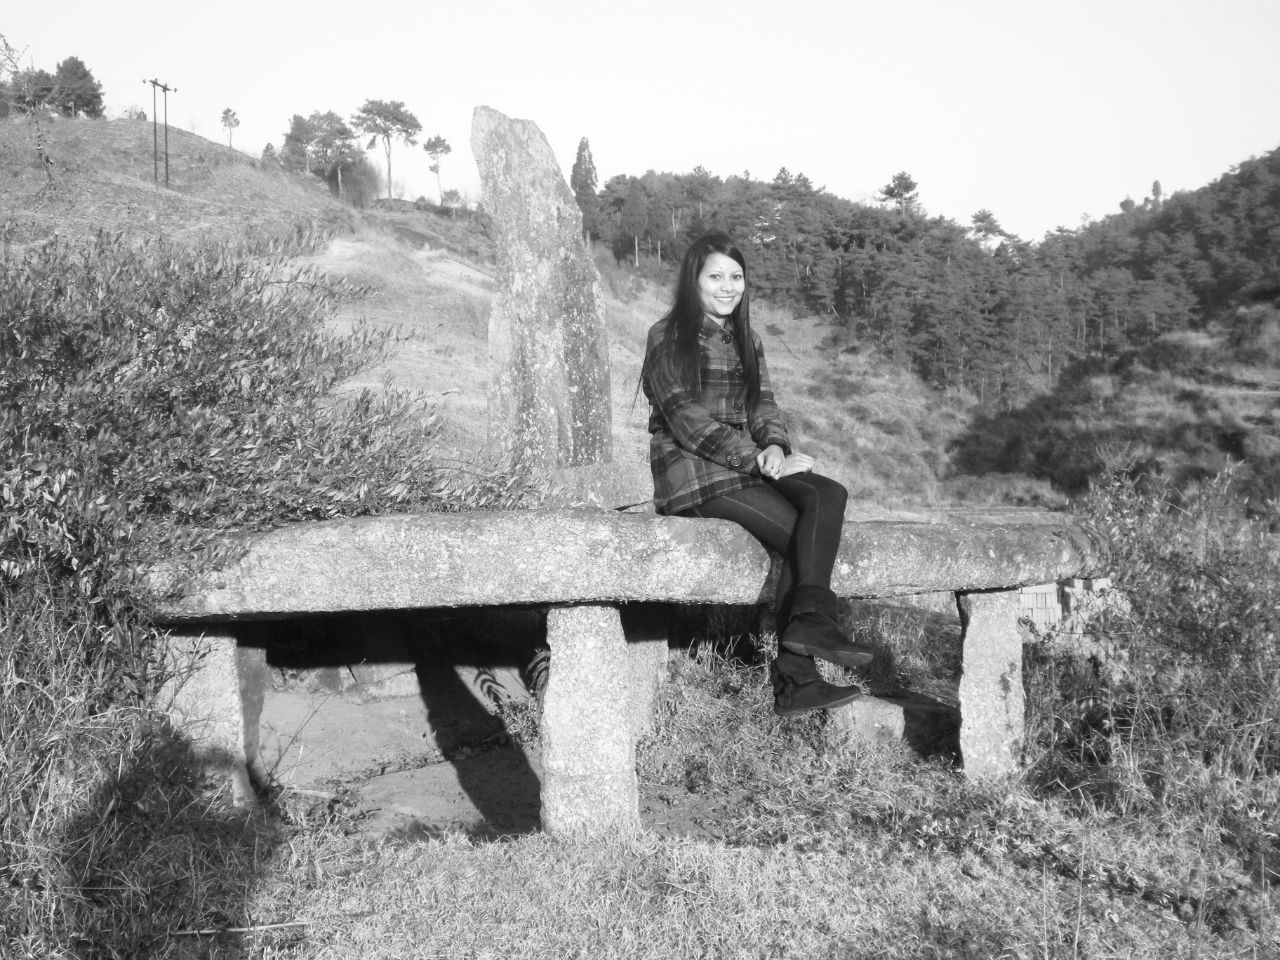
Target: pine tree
(230, 121)
(901, 191)
(635, 216)
(436, 148)
(386, 120)
(295, 154)
(76, 90)
(582, 180)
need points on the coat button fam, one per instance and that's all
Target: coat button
(737, 371)
(735, 461)
(737, 408)
(727, 338)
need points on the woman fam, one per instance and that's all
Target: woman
(719, 448)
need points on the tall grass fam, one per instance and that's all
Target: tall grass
(1172, 715)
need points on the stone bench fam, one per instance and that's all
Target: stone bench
(593, 571)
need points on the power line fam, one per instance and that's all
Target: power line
(155, 162)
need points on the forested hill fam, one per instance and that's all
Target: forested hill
(968, 306)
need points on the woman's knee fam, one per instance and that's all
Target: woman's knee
(831, 494)
(838, 493)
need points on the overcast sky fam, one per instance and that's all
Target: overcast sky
(1043, 112)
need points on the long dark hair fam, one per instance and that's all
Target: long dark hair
(681, 348)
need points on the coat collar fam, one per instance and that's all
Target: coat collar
(712, 329)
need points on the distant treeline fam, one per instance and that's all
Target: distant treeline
(972, 307)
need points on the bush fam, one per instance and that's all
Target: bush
(1175, 709)
(150, 397)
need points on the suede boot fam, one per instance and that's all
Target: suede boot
(814, 631)
(798, 687)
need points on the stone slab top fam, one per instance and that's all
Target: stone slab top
(567, 556)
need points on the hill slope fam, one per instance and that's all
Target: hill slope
(76, 176)
(871, 425)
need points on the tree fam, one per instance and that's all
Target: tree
(333, 149)
(635, 216)
(387, 120)
(700, 186)
(8, 69)
(230, 121)
(582, 180)
(33, 88)
(900, 191)
(436, 148)
(987, 230)
(295, 154)
(76, 89)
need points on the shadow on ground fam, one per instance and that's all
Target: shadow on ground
(410, 712)
(163, 864)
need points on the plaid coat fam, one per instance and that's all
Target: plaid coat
(702, 444)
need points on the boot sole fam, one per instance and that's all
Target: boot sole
(851, 696)
(844, 658)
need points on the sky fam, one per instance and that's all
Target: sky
(1045, 113)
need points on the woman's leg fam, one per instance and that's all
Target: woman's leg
(784, 521)
(819, 504)
(800, 516)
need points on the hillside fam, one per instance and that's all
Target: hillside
(1185, 408)
(72, 177)
(432, 277)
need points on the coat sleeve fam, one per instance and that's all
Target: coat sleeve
(690, 421)
(768, 425)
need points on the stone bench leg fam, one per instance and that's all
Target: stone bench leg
(215, 698)
(588, 741)
(991, 695)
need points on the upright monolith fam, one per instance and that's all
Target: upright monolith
(549, 402)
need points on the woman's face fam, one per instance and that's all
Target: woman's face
(720, 285)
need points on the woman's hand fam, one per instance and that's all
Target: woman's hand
(795, 463)
(774, 464)
(771, 461)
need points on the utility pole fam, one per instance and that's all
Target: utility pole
(155, 162)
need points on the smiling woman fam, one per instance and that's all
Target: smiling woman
(721, 283)
(719, 448)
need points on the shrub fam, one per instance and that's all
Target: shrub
(151, 396)
(1175, 711)
(196, 386)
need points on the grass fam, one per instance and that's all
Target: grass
(100, 177)
(824, 848)
(650, 898)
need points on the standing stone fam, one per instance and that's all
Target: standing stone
(549, 401)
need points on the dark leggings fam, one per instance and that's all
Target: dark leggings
(799, 517)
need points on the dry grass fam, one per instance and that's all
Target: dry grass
(826, 849)
(100, 177)
(649, 898)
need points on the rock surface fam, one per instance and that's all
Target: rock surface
(549, 399)
(420, 561)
